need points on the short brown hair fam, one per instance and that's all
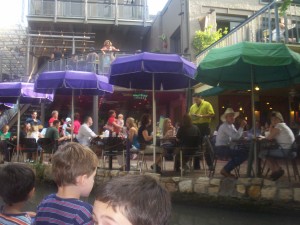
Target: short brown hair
(72, 160)
(140, 198)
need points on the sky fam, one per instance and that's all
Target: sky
(156, 5)
(11, 11)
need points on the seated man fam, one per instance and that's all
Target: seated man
(85, 133)
(284, 136)
(227, 133)
(53, 133)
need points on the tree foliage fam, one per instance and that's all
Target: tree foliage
(204, 39)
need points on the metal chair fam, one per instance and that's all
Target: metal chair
(191, 149)
(289, 157)
(112, 146)
(209, 148)
(48, 146)
(29, 145)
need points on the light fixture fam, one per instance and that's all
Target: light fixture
(256, 88)
(241, 108)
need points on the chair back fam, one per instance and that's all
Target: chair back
(29, 145)
(47, 144)
(190, 141)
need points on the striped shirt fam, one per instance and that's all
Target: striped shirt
(59, 211)
(14, 219)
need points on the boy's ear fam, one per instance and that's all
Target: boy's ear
(81, 179)
(31, 193)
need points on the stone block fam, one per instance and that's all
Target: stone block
(154, 175)
(268, 192)
(186, 186)
(269, 183)
(115, 173)
(285, 194)
(171, 187)
(202, 180)
(297, 194)
(215, 181)
(244, 181)
(213, 190)
(176, 179)
(200, 188)
(254, 191)
(257, 181)
(227, 187)
(241, 189)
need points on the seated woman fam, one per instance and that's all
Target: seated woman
(284, 137)
(189, 136)
(132, 135)
(145, 139)
(168, 132)
(227, 133)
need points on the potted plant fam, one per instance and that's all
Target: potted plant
(164, 40)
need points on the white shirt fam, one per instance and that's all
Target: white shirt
(85, 134)
(285, 138)
(227, 133)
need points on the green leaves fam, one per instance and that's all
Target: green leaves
(204, 39)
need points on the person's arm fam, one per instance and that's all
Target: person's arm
(273, 132)
(115, 49)
(146, 136)
(131, 133)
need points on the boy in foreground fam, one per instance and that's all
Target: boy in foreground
(73, 169)
(17, 186)
(132, 200)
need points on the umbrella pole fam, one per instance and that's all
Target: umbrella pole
(18, 129)
(72, 115)
(253, 121)
(154, 120)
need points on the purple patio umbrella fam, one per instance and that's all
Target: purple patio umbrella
(152, 71)
(73, 83)
(21, 93)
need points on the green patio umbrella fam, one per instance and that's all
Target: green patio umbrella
(211, 92)
(246, 65)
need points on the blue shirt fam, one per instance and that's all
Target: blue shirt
(59, 211)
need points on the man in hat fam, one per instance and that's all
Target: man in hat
(201, 113)
(285, 138)
(226, 134)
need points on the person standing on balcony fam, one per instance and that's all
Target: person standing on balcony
(56, 54)
(201, 113)
(92, 59)
(108, 54)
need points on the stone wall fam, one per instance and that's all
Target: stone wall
(256, 190)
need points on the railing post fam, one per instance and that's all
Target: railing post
(116, 13)
(85, 11)
(276, 23)
(55, 11)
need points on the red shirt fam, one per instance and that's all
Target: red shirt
(51, 120)
(110, 122)
(76, 126)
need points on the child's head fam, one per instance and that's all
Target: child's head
(72, 161)
(120, 116)
(132, 200)
(17, 183)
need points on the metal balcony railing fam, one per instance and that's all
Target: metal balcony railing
(263, 26)
(89, 10)
(96, 63)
